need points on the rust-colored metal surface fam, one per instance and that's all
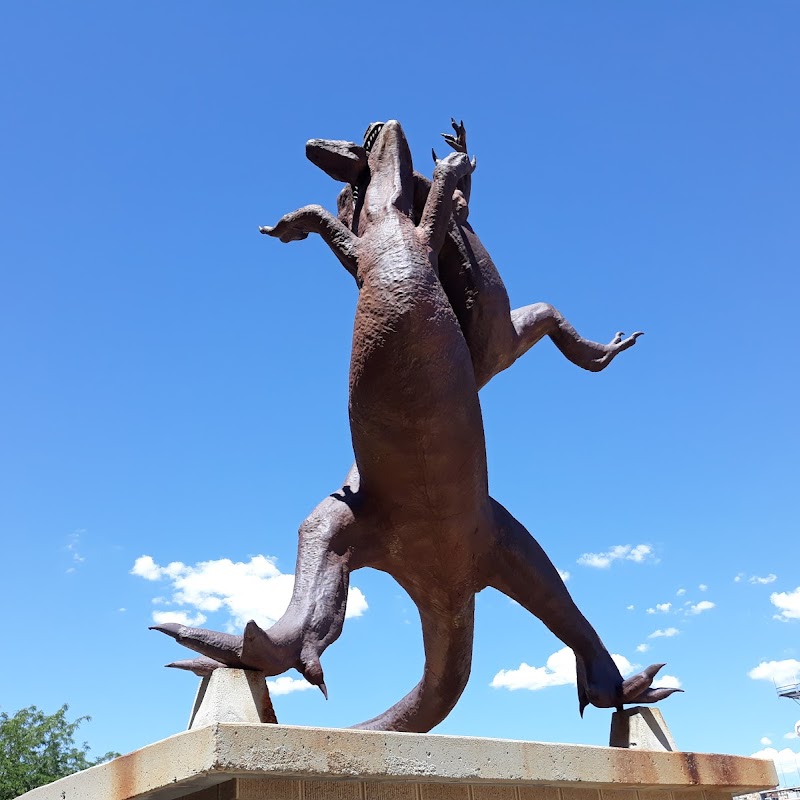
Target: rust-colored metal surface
(433, 324)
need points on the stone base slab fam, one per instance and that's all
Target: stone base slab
(282, 762)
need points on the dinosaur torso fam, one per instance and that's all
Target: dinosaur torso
(414, 412)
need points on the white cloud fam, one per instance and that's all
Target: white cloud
(630, 608)
(146, 568)
(738, 578)
(702, 587)
(765, 740)
(356, 603)
(699, 608)
(619, 552)
(564, 574)
(642, 648)
(660, 607)
(771, 578)
(245, 590)
(788, 603)
(558, 671)
(667, 632)
(790, 735)
(779, 672)
(681, 592)
(181, 617)
(668, 682)
(287, 685)
(785, 760)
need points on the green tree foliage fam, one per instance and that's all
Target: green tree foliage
(36, 748)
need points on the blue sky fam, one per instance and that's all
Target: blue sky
(176, 384)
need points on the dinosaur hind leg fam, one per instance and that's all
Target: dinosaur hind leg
(520, 569)
(447, 637)
(315, 615)
(532, 323)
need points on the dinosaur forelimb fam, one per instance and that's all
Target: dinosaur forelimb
(435, 217)
(298, 224)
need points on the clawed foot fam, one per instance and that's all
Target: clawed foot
(224, 648)
(637, 689)
(605, 688)
(255, 650)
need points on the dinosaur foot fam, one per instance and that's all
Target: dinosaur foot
(255, 650)
(603, 687)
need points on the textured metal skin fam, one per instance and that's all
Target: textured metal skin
(416, 503)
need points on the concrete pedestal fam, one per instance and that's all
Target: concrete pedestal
(232, 695)
(281, 762)
(641, 727)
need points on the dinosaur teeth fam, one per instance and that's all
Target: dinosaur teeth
(371, 135)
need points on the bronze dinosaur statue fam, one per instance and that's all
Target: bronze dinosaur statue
(417, 506)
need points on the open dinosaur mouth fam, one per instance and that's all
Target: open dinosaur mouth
(371, 134)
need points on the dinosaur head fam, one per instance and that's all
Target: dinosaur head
(391, 182)
(343, 161)
(384, 153)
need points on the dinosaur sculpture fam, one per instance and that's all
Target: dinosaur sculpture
(416, 505)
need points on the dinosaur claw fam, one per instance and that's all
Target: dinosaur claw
(324, 689)
(435, 157)
(654, 695)
(267, 229)
(172, 629)
(201, 666)
(221, 647)
(638, 686)
(582, 703)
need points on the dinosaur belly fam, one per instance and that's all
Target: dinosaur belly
(414, 411)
